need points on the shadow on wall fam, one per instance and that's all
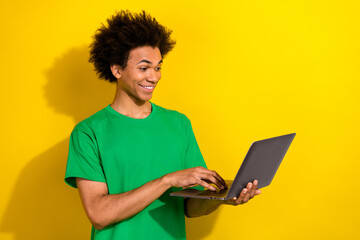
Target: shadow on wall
(42, 206)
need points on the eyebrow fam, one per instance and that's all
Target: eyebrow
(147, 61)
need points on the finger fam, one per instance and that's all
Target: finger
(248, 192)
(189, 186)
(209, 178)
(221, 182)
(241, 197)
(247, 197)
(205, 184)
(249, 187)
(253, 189)
(220, 179)
(215, 175)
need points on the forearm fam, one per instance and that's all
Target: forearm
(196, 207)
(106, 209)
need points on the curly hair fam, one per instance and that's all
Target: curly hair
(126, 31)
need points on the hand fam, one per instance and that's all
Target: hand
(195, 176)
(246, 194)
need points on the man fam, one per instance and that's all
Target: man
(128, 157)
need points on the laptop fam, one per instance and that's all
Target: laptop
(261, 163)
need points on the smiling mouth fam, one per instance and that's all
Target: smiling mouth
(147, 87)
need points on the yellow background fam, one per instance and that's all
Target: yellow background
(241, 71)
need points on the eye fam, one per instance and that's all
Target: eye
(143, 69)
(157, 68)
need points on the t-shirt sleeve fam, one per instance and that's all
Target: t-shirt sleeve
(193, 156)
(83, 159)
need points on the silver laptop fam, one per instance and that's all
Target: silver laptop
(261, 163)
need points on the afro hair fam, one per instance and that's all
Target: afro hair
(126, 31)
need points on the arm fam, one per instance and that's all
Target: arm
(195, 207)
(104, 209)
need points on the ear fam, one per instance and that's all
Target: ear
(116, 71)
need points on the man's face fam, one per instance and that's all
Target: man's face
(142, 73)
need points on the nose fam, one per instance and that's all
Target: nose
(153, 76)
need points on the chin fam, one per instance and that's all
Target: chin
(145, 99)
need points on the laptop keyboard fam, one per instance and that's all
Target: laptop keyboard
(218, 193)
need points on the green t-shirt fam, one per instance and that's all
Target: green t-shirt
(125, 153)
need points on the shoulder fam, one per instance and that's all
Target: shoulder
(92, 122)
(173, 115)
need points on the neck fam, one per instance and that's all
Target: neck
(127, 106)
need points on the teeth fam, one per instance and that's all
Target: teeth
(147, 87)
